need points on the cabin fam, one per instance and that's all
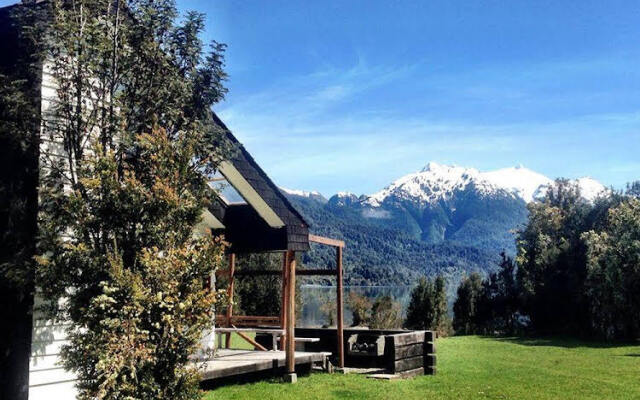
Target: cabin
(254, 216)
(251, 212)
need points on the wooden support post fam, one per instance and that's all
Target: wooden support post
(291, 310)
(339, 304)
(232, 268)
(283, 303)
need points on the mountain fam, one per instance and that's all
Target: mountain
(437, 182)
(379, 253)
(441, 219)
(316, 196)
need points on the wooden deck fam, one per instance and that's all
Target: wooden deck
(230, 362)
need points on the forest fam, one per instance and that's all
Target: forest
(577, 272)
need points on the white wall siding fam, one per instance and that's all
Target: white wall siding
(58, 391)
(47, 379)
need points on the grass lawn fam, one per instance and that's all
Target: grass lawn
(237, 342)
(480, 368)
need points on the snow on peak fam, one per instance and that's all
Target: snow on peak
(301, 193)
(590, 189)
(346, 194)
(518, 180)
(433, 166)
(437, 182)
(434, 182)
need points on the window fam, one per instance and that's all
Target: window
(225, 190)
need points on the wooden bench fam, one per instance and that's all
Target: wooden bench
(275, 334)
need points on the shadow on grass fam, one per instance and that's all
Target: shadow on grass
(565, 342)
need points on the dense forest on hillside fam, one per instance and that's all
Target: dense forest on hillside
(379, 255)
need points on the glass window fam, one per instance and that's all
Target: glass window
(225, 190)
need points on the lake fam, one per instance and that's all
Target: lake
(318, 299)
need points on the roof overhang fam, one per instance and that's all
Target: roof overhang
(250, 195)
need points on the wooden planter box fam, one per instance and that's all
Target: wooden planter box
(406, 352)
(411, 353)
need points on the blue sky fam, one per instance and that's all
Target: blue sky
(349, 95)
(337, 95)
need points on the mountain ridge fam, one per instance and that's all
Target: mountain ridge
(441, 219)
(519, 181)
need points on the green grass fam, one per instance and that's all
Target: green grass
(239, 343)
(480, 368)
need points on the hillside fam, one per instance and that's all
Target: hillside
(442, 219)
(383, 255)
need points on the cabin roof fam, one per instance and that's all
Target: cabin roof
(268, 221)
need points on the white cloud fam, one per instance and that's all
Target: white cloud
(319, 130)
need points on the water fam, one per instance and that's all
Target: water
(317, 300)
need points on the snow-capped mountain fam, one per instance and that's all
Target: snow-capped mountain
(441, 217)
(437, 182)
(313, 195)
(342, 199)
(451, 203)
(301, 193)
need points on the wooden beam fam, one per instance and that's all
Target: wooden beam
(232, 268)
(283, 303)
(339, 302)
(267, 272)
(246, 320)
(291, 312)
(325, 240)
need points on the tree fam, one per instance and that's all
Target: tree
(575, 263)
(633, 189)
(427, 308)
(328, 308)
(551, 260)
(507, 299)
(20, 71)
(385, 313)
(360, 308)
(259, 295)
(613, 274)
(124, 184)
(498, 303)
(465, 305)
